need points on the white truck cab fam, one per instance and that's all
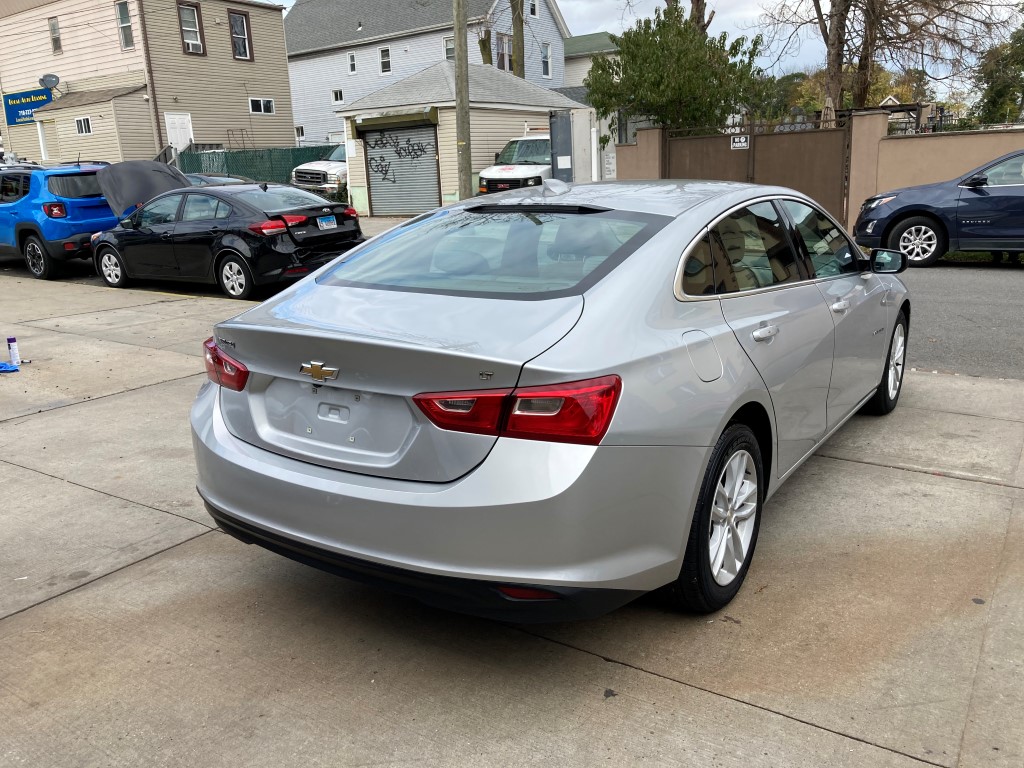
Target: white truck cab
(524, 162)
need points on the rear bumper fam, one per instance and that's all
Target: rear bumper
(560, 517)
(478, 598)
(74, 247)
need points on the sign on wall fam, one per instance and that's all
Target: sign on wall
(19, 108)
(740, 142)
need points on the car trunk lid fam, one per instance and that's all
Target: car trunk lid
(316, 226)
(374, 350)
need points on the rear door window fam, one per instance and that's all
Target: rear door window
(528, 252)
(199, 208)
(757, 249)
(13, 187)
(74, 185)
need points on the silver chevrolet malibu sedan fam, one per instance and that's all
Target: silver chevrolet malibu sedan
(541, 405)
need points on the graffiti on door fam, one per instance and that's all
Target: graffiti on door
(391, 148)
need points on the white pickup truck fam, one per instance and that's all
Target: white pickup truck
(524, 162)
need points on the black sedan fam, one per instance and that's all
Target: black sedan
(238, 235)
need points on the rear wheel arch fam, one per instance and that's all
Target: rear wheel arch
(754, 415)
(24, 231)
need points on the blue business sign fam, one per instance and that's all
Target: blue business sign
(19, 107)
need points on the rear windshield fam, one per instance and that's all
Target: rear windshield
(526, 152)
(525, 253)
(74, 185)
(280, 199)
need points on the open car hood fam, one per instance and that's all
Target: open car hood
(132, 183)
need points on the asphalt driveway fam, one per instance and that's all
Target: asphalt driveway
(882, 622)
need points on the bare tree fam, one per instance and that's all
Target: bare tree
(518, 39)
(938, 36)
(698, 11)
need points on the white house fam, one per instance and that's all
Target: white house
(339, 53)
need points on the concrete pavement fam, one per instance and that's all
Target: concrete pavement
(882, 622)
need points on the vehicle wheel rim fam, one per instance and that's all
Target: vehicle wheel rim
(919, 243)
(34, 258)
(897, 356)
(110, 267)
(234, 278)
(733, 513)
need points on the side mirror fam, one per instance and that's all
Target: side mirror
(977, 180)
(127, 223)
(496, 156)
(888, 262)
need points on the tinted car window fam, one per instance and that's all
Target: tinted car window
(199, 208)
(13, 187)
(74, 185)
(710, 271)
(830, 252)
(281, 199)
(1006, 173)
(162, 211)
(757, 250)
(532, 253)
(223, 210)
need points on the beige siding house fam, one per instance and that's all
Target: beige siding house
(139, 75)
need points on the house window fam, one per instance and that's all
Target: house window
(545, 59)
(124, 26)
(55, 35)
(385, 60)
(449, 48)
(533, 7)
(504, 50)
(241, 35)
(261, 106)
(338, 96)
(190, 21)
(351, 63)
(300, 132)
(83, 126)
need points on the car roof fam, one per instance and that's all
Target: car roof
(64, 170)
(663, 197)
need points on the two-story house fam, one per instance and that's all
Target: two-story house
(136, 76)
(339, 53)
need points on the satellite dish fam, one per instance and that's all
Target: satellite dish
(49, 81)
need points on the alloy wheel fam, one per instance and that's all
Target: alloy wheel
(897, 356)
(919, 242)
(733, 514)
(233, 278)
(34, 258)
(110, 267)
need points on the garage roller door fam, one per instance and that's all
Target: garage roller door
(401, 164)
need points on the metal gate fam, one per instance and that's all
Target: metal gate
(813, 161)
(401, 165)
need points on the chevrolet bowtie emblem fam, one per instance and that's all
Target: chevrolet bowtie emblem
(318, 371)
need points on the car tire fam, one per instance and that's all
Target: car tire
(922, 239)
(888, 393)
(235, 278)
(110, 267)
(40, 264)
(728, 514)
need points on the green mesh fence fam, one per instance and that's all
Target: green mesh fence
(258, 164)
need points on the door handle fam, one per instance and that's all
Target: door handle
(215, 229)
(841, 306)
(764, 333)
(165, 236)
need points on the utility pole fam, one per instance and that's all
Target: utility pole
(465, 152)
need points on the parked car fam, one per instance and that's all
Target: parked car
(523, 162)
(49, 214)
(236, 235)
(546, 404)
(209, 179)
(324, 176)
(982, 210)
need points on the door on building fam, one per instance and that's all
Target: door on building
(401, 167)
(179, 129)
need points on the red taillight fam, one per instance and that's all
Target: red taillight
(223, 370)
(528, 593)
(478, 412)
(350, 211)
(55, 210)
(277, 226)
(576, 412)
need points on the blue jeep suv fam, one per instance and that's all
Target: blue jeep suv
(49, 214)
(983, 210)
